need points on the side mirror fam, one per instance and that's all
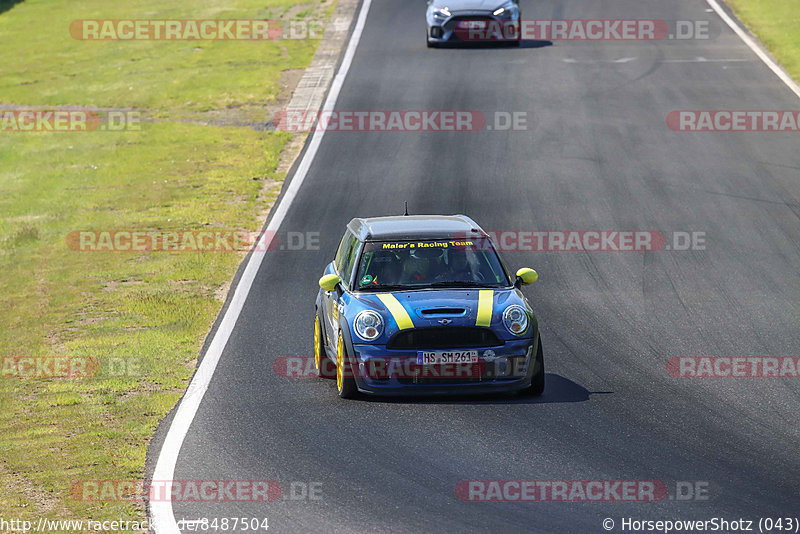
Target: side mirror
(329, 282)
(526, 276)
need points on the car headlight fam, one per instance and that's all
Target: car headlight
(515, 319)
(368, 325)
(441, 13)
(507, 10)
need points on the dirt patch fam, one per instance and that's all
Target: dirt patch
(44, 502)
(113, 285)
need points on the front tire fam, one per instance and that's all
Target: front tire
(321, 361)
(345, 382)
(537, 382)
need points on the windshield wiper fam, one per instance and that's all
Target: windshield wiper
(386, 287)
(461, 283)
(453, 283)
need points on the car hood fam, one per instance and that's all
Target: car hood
(441, 307)
(468, 5)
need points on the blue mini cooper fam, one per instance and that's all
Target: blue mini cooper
(423, 305)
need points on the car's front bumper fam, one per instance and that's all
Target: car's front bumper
(497, 29)
(500, 369)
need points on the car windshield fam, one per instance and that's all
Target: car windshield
(393, 265)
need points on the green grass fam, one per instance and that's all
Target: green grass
(151, 308)
(777, 24)
(41, 59)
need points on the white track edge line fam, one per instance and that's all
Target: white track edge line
(755, 47)
(162, 517)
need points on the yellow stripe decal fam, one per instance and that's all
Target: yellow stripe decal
(397, 310)
(485, 307)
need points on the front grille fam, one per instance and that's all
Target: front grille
(491, 29)
(408, 372)
(449, 337)
(485, 18)
(444, 375)
(470, 18)
(513, 369)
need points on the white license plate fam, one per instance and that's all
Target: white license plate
(472, 24)
(447, 356)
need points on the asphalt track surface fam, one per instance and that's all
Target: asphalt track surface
(597, 155)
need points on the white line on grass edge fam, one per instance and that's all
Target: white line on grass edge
(162, 518)
(755, 47)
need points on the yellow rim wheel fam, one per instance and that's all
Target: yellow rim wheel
(316, 343)
(340, 363)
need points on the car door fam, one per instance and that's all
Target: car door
(343, 265)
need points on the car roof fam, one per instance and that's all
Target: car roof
(408, 227)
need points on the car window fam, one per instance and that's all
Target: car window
(344, 248)
(425, 263)
(349, 261)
